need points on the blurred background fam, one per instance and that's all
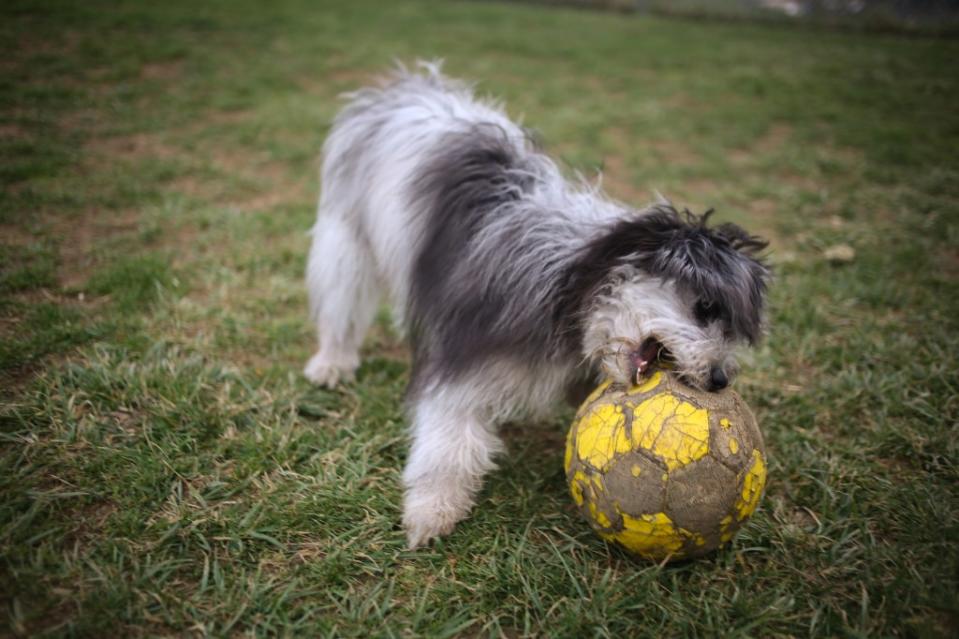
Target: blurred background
(927, 16)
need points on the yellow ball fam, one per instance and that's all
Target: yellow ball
(664, 470)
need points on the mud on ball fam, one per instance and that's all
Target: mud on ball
(665, 470)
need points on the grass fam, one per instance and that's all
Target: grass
(888, 16)
(166, 470)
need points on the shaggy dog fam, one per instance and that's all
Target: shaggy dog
(512, 282)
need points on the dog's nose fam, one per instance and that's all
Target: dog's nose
(717, 379)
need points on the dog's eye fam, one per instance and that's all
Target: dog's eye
(706, 311)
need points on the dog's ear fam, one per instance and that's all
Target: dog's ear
(633, 241)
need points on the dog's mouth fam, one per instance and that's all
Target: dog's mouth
(650, 355)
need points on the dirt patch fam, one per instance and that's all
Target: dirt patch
(607, 87)
(270, 185)
(672, 152)
(764, 209)
(78, 238)
(545, 437)
(763, 213)
(53, 617)
(279, 187)
(16, 235)
(161, 70)
(803, 518)
(337, 80)
(265, 201)
(130, 147)
(90, 521)
(12, 132)
(308, 552)
(846, 156)
(233, 117)
(66, 42)
(948, 260)
(681, 101)
(898, 466)
(381, 341)
(339, 76)
(775, 138)
(617, 180)
(798, 181)
(193, 187)
(696, 194)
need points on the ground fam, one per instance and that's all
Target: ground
(165, 468)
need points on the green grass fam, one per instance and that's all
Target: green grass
(165, 470)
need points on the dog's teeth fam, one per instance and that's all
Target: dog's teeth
(641, 370)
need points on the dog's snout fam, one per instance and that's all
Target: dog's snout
(718, 379)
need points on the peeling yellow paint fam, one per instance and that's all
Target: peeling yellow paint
(753, 484)
(725, 423)
(636, 470)
(576, 486)
(733, 445)
(652, 536)
(598, 515)
(601, 435)
(568, 456)
(598, 486)
(725, 533)
(675, 430)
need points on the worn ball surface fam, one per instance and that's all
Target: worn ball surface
(665, 470)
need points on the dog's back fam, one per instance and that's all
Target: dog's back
(375, 150)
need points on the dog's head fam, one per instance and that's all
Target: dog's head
(665, 285)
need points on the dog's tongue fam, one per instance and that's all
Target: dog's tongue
(645, 356)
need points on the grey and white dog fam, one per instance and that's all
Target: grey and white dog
(512, 282)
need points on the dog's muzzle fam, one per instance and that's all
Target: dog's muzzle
(652, 354)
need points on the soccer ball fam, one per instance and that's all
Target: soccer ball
(664, 470)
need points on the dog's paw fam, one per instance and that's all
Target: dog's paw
(428, 514)
(325, 371)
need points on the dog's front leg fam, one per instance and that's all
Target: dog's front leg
(452, 449)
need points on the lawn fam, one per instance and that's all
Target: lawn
(166, 470)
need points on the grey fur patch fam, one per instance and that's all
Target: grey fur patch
(461, 311)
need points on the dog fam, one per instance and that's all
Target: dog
(512, 282)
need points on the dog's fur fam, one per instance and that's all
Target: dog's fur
(512, 282)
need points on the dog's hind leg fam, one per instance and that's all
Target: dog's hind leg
(343, 292)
